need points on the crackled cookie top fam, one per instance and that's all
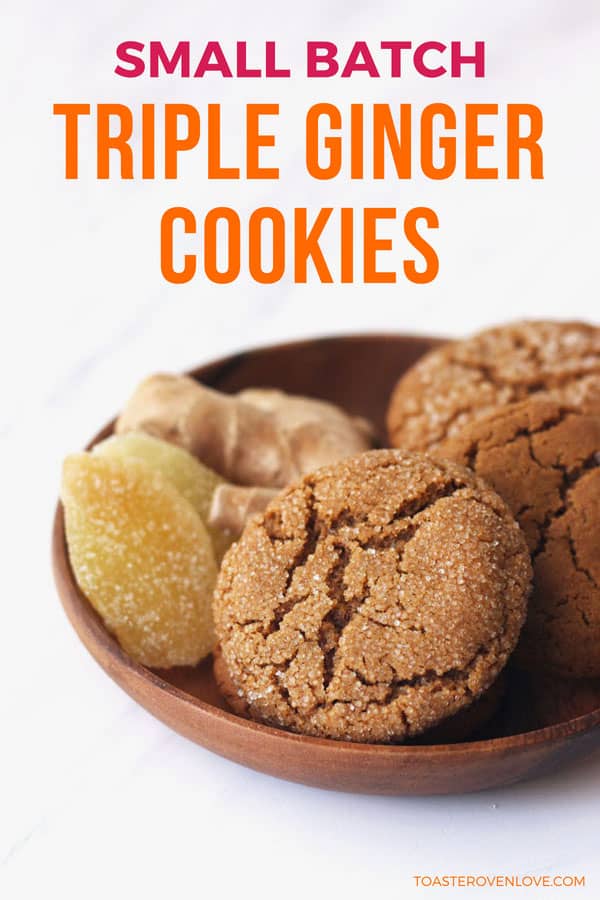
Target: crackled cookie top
(543, 458)
(467, 722)
(373, 599)
(464, 380)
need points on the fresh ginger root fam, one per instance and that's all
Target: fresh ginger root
(232, 506)
(258, 438)
(142, 556)
(196, 482)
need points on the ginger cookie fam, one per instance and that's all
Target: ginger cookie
(468, 723)
(457, 728)
(373, 599)
(543, 458)
(226, 686)
(464, 380)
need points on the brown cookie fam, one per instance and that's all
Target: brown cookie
(463, 380)
(457, 728)
(226, 686)
(468, 721)
(372, 599)
(543, 458)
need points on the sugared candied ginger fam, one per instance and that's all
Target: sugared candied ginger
(194, 480)
(142, 556)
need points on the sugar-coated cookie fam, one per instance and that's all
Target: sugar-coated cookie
(373, 599)
(463, 380)
(543, 458)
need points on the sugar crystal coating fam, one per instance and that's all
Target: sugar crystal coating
(452, 730)
(142, 557)
(372, 599)
(195, 481)
(543, 458)
(463, 380)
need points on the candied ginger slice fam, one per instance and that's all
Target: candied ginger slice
(142, 556)
(194, 480)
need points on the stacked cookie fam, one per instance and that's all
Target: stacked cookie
(380, 599)
(520, 405)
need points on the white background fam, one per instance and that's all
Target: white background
(97, 799)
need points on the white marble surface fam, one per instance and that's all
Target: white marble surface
(97, 798)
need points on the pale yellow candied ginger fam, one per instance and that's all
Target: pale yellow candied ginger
(142, 556)
(194, 480)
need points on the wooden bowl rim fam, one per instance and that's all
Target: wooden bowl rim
(98, 635)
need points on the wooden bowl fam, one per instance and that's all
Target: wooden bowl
(357, 372)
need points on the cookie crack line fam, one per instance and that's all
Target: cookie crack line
(313, 531)
(570, 474)
(433, 494)
(311, 538)
(340, 614)
(398, 686)
(511, 363)
(525, 432)
(343, 612)
(449, 422)
(316, 528)
(579, 567)
(432, 676)
(570, 479)
(544, 380)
